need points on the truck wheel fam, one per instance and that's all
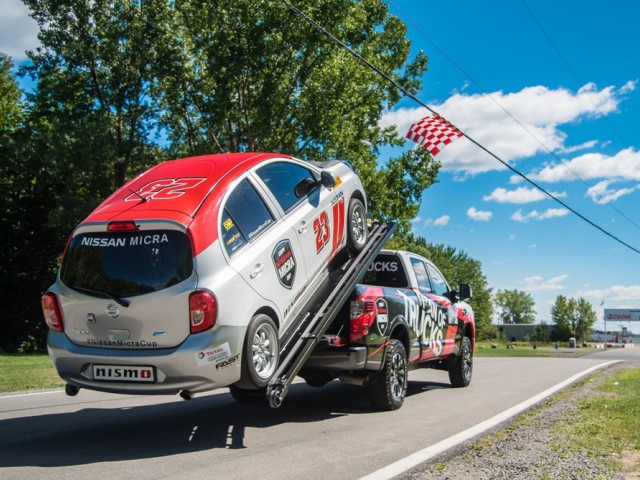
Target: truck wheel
(242, 395)
(357, 225)
(261, 353)
(388, 387)
(461, 368)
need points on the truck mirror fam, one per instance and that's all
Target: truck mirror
(464, 291)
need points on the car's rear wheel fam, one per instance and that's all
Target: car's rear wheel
(357, 225)
(388, 387)
(461, 367)
(261, 354)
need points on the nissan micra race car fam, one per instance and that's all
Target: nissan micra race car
(184, 279)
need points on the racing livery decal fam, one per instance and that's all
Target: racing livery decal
(164, 189)
(382, 315)
(285, 263)
(426, 320)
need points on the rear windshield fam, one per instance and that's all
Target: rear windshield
(126, 264)
(386, 271)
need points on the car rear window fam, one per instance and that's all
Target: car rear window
(126, 264)
(386, 271)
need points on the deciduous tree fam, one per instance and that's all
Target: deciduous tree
(515, 306)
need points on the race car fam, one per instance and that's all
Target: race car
(185, 278)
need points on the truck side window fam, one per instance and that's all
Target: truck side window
(421, 274)
(245, 216)
(440, 286)
(281, 178)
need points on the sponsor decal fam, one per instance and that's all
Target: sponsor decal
(383, 267)
(338, 182)
(426, 320)
(215, 355)
(382, 315)
(285, 263)
(80, 331)
(261, 227)
(122, 343)
(133, 241)
(164, 189)
(228, 224)
(226, 363)
(123, 373)
(295, 299)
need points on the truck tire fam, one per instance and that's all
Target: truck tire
(461, 367)
(261, 353)
(388, 387)
(357, 226)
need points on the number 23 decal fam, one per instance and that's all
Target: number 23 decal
(322, 230)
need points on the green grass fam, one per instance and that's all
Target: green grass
(27, 372)
(608, 425)
(524, 349)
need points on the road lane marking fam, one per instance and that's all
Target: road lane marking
(428, 453)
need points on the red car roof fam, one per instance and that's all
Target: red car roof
(177, 189)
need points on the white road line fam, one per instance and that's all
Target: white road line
(428, 453)
(31, 394)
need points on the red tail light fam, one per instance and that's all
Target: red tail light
(362, 317)
(127, 226)
(203, 311)
(52, 312)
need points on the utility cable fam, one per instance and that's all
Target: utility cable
(421, 103)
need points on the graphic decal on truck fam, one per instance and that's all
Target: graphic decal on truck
(285, 263)
(426, 319)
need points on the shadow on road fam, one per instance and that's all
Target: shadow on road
(94, 435)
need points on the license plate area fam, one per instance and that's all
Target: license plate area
(124, 373)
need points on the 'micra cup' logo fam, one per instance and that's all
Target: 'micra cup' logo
(285, 263)
(382, 315)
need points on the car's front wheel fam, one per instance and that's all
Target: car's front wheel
(261, 354)
(357, 226)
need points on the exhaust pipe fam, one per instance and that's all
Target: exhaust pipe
(187, 395)
(71, 390)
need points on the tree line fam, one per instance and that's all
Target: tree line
(121, 85)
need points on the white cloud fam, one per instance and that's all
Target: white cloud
(479, 215)
(540, 110)
(576, 148)
(601, 193)
(537, 283)
(18, 31)
(615, 293)
(623, 165)
(442, 221)
(535, 215)
(519, 195)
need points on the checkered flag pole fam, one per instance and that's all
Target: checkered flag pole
(433, 133)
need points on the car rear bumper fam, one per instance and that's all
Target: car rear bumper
(204, 361)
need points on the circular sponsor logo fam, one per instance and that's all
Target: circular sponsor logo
(112, 310)
(201, 355)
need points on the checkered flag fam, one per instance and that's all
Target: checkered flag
(433, 133)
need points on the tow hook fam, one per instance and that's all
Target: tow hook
(187, 395)
(71, 390)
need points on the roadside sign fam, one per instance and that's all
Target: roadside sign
(621, 315)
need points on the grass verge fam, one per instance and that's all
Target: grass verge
(27, 372)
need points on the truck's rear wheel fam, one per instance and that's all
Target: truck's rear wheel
(261, 353)
(388, 387)
(357, 225)
(461, 367)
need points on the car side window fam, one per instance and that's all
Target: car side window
(281, 178)
(421, 274)
(440, 286)
(244, 217)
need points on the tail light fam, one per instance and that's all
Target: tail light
(362, 317)
(122, 226)
(52, 312)
(203, 311)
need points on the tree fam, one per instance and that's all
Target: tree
(573, 318)
(251, 75)
(457, 267)
(515, 306)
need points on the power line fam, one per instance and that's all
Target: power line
(421, 103)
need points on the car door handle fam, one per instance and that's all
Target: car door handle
(256, 271)
(303, 227)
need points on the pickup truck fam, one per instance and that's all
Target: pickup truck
(403, 316)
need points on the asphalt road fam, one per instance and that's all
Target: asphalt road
(331, 432)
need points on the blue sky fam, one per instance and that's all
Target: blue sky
(573, 87)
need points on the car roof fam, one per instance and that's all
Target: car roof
(176, 189)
